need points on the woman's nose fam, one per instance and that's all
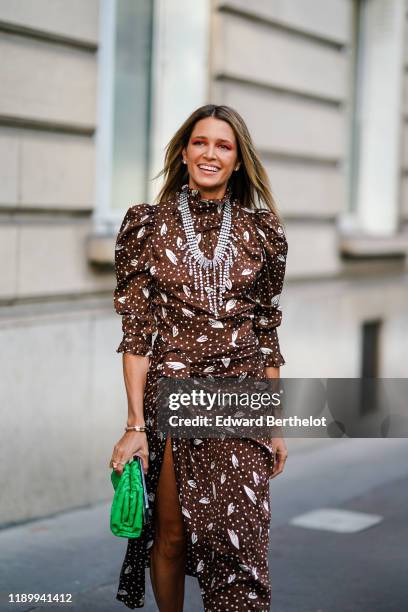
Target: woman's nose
(210, 153)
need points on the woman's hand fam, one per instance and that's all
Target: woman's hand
(131, 443)
(281, 454)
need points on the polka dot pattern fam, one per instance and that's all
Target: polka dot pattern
(223, 485)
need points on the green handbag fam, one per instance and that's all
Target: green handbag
(129, 501)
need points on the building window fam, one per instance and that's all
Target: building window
(124, 103)
(375, 115)
(153, 72)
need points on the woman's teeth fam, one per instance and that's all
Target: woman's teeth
(208, 168)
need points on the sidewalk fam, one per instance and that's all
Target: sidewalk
(311, 570)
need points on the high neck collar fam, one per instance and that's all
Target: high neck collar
(197, 202)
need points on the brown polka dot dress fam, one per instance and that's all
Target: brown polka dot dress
(223, 485)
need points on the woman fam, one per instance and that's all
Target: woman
(209, 498)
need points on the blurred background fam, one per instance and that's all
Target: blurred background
(91, 92)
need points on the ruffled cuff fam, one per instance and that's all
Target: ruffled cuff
(135, 344)
(270, 349)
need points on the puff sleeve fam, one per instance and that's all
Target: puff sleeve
(132, 295)
(268, 286)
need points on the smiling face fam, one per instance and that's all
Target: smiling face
(211, 156)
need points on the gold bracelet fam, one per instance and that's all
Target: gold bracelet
(136, 428)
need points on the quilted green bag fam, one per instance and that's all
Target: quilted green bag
(130, 502)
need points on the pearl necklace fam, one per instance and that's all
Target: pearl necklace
(199, 264)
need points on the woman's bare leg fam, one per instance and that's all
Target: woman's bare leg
(167, 555)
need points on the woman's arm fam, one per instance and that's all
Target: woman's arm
(132, 300)
(272, 372)
(279, 445)
(135, 368)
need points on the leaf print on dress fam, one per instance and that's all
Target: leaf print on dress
(234, 460)
(230, 304)
(141, 232)
(231, 508)
(234, 336)
(185, 512)
(187, 290)
(250, 494)
(171, 256)
(176, 365)
(261, 232)
(233, 537)
(215, 323)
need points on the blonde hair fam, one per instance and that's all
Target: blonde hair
(249, 184)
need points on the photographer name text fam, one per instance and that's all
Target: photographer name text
(259, 421)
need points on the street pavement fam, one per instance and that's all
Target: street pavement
(312, 570)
